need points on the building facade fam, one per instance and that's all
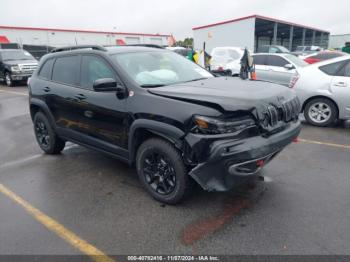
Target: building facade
(338, 41)
(255, 31)
(65, 37)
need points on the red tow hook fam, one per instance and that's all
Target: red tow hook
(260, 163)
(296, 140)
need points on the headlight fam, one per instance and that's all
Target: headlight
(15, 68)
(210, 125)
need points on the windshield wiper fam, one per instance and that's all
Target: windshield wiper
(152, 85)
(196, 79)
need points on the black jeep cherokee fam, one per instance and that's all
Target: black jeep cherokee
(155, 109)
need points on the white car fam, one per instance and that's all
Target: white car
(277, 68)
(226, 58)
(324, 91)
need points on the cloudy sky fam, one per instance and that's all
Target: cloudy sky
(169, 16)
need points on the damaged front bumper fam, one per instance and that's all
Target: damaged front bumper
(229, 161)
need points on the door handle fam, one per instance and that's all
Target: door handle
(47, 89)
(80, 96)
(341, 84)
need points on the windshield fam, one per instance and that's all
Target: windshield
(283, 49)
(296, 60)
(16, 55)
(300, 48)
(159, 68)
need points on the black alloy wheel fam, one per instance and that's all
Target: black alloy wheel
(162, 172)
(45, 135)
(159, 172)
(42, 134)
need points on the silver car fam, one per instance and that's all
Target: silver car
(277, 68)
(324, 91)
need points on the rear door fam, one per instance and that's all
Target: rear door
(261, 69)
(340, 87)
(61, 93)
(277, 73)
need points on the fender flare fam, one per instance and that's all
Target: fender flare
(43, 107)
(168, 132)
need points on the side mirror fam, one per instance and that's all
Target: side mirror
(122, 92)
(289, 66)
(105, 84)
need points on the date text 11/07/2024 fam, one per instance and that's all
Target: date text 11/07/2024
(173, 258)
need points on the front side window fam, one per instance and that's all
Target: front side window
(46, 70)
(332, 69)
(66, 70)
(159, 68)
(93, 68)
(276, 61)
(259, 59)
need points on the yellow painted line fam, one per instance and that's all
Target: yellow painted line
(57, 228)
(13, 93)
(323, 143)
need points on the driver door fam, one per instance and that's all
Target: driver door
(103, 120)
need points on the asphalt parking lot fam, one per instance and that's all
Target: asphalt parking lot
(302, 207)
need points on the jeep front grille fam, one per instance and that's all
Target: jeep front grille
(285, 112)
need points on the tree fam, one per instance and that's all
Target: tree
(187, 42)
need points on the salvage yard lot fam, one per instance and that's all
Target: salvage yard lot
(302, 208)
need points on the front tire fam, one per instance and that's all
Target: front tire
(162, 171)
(8, 79)
(321, 112)
(46, 137)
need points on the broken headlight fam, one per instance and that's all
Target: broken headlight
(210, 125)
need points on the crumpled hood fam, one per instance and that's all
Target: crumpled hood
(230, 94)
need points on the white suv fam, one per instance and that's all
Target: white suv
(226, 59)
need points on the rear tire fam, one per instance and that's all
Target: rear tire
(46, 137)
(162, 171)
(321, 112)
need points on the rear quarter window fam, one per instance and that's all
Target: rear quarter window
(46, 70)
(332, 69)
(345, 70)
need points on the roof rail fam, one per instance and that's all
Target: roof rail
(144, 45)
(76, 47)
(147, 45)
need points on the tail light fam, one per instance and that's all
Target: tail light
(294, 80)
(310, 60)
